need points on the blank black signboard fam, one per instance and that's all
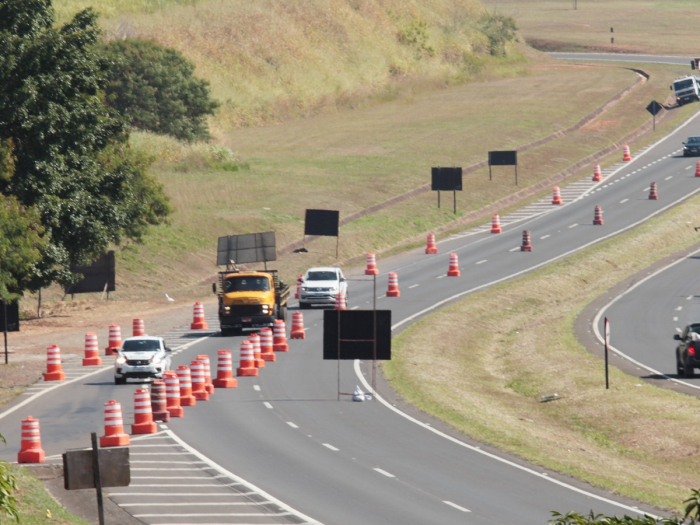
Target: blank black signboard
(322, 222)
(446, 179)
(503, 158)
(12, 317)
(355, 339)
(245, 249)
(95, 276)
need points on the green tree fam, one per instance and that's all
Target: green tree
(8, 486)
(71, 156)
(154, 89)
(500, 30)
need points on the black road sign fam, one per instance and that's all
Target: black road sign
(350, 334)
(503, 158)
(95, 276)
(12, 310)
(322, 222)
(248, 248)
(446, 179)
(654, 107)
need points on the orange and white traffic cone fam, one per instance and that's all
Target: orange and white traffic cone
(115, 339)
(697, 169)
(653, 195)
(138, 328)
(393, 290)
(371, 265)
(527, 246)
(298, 331)
(597, 173)
(266, 339)
(30, 448)
(207, 373)
(626, 156)
(199, 322)
(300, 282)
(186, 397)
(54, 370)
(454, 266)
(556, 196)
(199, 381)
(431, 246)
(257, 351)
(114, 426)
(224, 371)
(159, 401)
(143, 415)
(247, 367)
(340, 303)
(495, 223)
(172, 394)
(279, 343)
(92, 350)
(598, 216)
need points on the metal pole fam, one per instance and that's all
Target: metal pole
(98, 479)
(438, 199)
(516, 174)
(454, 195)
(4, 313)
(374, 355)
(338, 314)
(654, 122)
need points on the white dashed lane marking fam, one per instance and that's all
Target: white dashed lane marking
(573, 225)
(268, 405)
(456, 506)
(545, 236)
(292, 424)
(623, 201)
(385, 473)
(330, 447)
(413, 286)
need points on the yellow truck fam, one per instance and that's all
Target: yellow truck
(250, 300)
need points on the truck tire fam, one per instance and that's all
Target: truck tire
(303, 306)
(282, 313)
(119, 380)
(688, 371)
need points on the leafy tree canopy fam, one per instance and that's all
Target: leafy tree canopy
(71, 157)
(154, 89)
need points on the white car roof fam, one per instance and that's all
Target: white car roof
(323, 269)
(143, 338)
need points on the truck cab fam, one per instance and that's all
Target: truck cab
(686, 89)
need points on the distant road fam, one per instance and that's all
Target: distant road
(625, 57)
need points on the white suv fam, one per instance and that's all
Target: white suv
(140, 358)
(321, 285)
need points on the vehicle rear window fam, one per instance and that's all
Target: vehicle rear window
(141, 345)
(693, 140)
(247, 284)
(322, 276)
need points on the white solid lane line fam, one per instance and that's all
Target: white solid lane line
(456, 506)
(385, 473)
(331, 447)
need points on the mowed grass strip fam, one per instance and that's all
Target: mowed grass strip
(483, 363)
(639, 26)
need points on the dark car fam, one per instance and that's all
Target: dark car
(688, 350)
(691, 147)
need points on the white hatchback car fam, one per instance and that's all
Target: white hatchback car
(141, 357)
(321, 285)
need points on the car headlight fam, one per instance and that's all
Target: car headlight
(121, 360)
(265, 308)
(304, 288)
(156, 360)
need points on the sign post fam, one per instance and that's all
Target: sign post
(654, 107)
(504, 158)
(447, 179)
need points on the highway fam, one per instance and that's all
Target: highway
(285, 437)
(625, 57)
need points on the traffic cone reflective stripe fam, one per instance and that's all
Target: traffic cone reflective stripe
(626, 156)
(340, 303)
(92, 350)
(207, 373)
(30, 448)
(556, 196)
(54, 370)
(159, 401)
(247, 367)
(527, 246)
(454, 266)
(431, 246)
(172, 394)
(138, 328)
(114, 426)
(653, 195)
(224, 371)
(393, 290)
(199, 322)
(199, 382)
(280, 337)
(598, 216)
(266, 351)
(495, 223)
(371, 265)
(115, 339)
(697, 169)
(298, 331)
(143, 415)
(597, 173)
(186, 397)
(255, 341)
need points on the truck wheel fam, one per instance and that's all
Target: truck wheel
(688, 371)
(679, 368)
(119, 380)
(282, 313)
(303, 306)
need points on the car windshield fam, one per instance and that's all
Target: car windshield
(683, 84)
(247, 284)
(693, 140)
(141, 345)
(322, 276)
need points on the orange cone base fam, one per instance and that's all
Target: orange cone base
(496, 230)
(92, 361)
(148, 427)
(111, 351)
(200, 325)
(653, 197)
(188, 401)
(626, 158)
(230, 382)
(118, 440)
(54, 376)
(269, 357)
(453, 273)
(32, 455)
(372, 271)
(209, 388)
(557, 201)
(259, 363)
(596, 179)
(431, 250)
(161, 416)
(393, 293)
(199, 396)
(241, 372)
(176, 412)
(284, 347)
(598, 222)
(297, 335)
(526, 248)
